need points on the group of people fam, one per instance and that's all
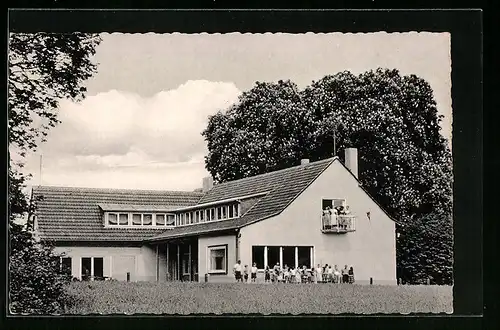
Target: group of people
(278, 274)
(330, 216)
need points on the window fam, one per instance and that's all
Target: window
(98, 268)
(202, 215)
(123, 220)
(113, 219)
(136, 219)
(224, 212)
(66, 265)
(332, 203)
(231, 211)
(217, 259)
(86, 268)
(289, 256)
(219, 213)
(304, 256)
(160, 219)
(212, 214)
(197, 217)
(170, 219)
(258, 256)
(147, 219)
(92, 267)
(236, 210)
(273, 255)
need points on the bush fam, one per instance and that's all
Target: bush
(37, 285)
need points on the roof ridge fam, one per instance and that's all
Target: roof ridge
(94, 189)
(326, 160)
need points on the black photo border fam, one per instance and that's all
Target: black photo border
(465, 27)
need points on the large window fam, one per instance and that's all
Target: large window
(258, 256)
(304, 256)
(288, 255)
(273, 255)
(217, 259)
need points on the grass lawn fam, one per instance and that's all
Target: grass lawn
(208, 298)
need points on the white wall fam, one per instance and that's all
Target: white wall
(203, 244)
(144, 268)
(371, 249)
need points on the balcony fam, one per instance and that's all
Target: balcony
(340, 224)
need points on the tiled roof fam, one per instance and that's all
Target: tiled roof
(73, 214)
(283, 186)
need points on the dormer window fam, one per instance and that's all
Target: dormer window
(160, 219)
(123, 219)
(113, 219)
(147, 219)
(137, 220)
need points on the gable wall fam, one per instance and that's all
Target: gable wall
(370, 249)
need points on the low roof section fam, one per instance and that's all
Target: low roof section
(74, 214)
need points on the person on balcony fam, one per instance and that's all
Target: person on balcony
(347, 211)
(326, 218)
(335, 220)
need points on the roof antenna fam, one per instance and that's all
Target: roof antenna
(40, 170)
(334, 142)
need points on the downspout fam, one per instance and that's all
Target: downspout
(237, 249)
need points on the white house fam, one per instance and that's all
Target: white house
(268, 218)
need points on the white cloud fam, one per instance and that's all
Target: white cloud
(122, 140)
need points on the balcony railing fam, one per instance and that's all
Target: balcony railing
(338, 224)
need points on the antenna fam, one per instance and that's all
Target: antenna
(40, 171)
(334, 141)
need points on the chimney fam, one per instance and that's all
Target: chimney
(208, 183)
(351, 160)
(304, 161)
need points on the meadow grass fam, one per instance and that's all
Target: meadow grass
(235, 298)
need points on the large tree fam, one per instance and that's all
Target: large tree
(405, 162)
(43, 69)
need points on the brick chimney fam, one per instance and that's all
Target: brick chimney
(351, 160)
(208, 183)
(304, 161)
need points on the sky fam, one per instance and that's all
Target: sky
(141, 122)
